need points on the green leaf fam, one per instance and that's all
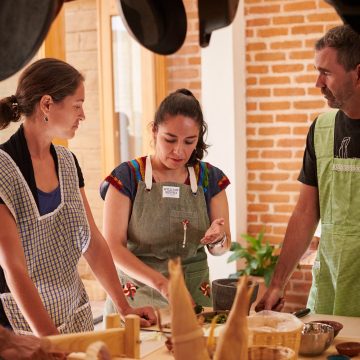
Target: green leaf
(258, 256)
(254, 264)
(235, 246)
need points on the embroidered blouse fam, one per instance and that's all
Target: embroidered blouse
(126, 176)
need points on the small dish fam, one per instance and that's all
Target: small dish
(207, 316)
(336, 325)
(348, 348)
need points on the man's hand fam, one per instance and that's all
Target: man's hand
(272, 300)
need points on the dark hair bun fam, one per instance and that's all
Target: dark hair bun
(185, 92)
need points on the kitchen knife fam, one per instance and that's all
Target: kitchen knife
(302, 312)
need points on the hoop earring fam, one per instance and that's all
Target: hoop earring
(46, 119)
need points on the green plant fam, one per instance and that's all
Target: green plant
(260, 258)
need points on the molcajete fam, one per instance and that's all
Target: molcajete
(224, 290)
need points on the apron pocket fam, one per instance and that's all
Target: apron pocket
(198, 284)
(14, 315)
(81, 320)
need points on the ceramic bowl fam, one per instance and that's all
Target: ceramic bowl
(224, 291)
(348, 348)
(315, 338)
(336, 325)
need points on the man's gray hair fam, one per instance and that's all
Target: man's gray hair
(346, 42)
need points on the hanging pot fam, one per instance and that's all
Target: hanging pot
(349, 11)
(213, 15)
(23, 27)
(158, 25)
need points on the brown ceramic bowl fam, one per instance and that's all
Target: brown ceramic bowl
(336, 325)
(348, 348)
(224, 291)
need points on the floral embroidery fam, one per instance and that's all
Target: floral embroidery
(130, 290)
(205, 288)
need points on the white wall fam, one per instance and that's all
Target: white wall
(223, 101)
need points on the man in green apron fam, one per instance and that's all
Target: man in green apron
(330, 188)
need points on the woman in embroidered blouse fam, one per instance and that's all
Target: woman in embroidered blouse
(46, 222)
(167, 205)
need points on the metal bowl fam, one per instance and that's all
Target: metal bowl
(336, 325)
(315, 338)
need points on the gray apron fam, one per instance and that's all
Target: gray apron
(156, 234)
(336, 285)
(52, 243)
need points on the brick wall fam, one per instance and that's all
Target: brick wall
(282, 101)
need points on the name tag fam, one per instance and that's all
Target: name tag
(171, 192)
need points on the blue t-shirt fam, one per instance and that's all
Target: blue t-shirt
(48, 201)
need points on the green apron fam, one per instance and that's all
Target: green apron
(156, 234)
(336, 284)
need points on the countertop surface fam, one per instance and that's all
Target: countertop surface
(350, 332)
(153, 348)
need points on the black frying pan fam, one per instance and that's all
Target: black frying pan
(158, 25)
(213, 15)
(23, 27)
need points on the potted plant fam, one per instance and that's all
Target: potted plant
(260, 260)
(260, 257)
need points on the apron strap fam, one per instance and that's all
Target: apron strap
(193, 183)
(148, 176)
(148, 173)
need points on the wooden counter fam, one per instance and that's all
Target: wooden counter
(350, 332)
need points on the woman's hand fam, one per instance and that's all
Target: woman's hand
(146, 313)
(215, 233)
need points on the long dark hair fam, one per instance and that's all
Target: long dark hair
(44, 77)
(183, 102)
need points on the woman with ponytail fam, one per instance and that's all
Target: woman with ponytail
(46, 222)
(170, 204)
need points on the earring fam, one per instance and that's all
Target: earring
(46, 119)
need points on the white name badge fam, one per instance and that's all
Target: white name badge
(171, 192)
